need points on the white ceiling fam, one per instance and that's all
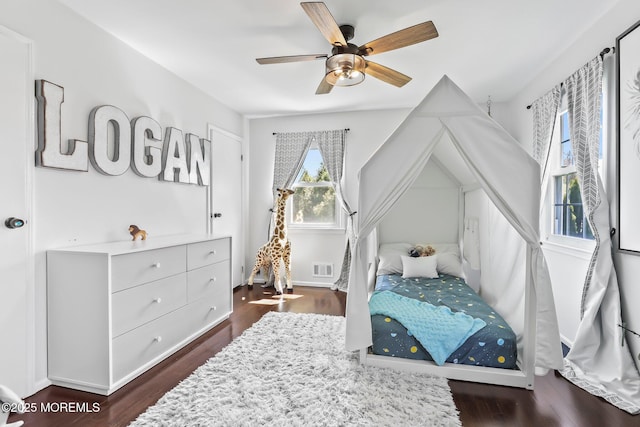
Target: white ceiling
(489, 48)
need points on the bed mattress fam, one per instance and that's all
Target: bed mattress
(494, 345)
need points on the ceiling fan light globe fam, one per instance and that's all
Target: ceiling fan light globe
(345, 69)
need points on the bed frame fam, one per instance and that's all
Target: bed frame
(522, 377)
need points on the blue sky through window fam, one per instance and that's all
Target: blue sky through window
(311, 163)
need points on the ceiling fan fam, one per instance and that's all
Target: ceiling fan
(346, 66)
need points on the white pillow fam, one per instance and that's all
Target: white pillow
(449, 263)
(389, 255)
(448, 258)
(424, 266)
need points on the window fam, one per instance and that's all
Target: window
(314, 204)
(568, 213)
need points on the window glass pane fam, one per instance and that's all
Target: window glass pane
(564, 127)
(558, 226)
(314, 205)
(566, 152)
(572, 188)
(313, 169)
(569, 216)
(314, 201)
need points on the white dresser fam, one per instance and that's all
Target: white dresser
(116, 309)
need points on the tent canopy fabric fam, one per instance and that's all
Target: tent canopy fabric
(502, 168)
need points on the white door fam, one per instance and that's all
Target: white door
(226, 195)
(16, 280)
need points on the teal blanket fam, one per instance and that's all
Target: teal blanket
(438, 329)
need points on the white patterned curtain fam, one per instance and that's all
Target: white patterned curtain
(332, 147)
(597, 362)
(545, 111)
(291, 150)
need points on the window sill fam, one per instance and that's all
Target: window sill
(315, 230)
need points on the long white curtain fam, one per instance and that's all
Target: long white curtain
(332, 145)
(597, 361)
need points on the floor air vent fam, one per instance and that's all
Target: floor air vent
(322, 269)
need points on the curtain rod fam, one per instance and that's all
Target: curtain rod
(346, 130)
(602, 54)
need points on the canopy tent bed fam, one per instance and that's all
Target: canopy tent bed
(513, 273)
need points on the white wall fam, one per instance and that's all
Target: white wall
(426, 213)
(568, 269)
(81, 207)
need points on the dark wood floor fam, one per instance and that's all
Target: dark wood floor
(555, 402)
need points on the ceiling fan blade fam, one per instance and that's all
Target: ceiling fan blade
(322, 18)
(407, 37)
(323, 87)
(293, 58)
(386, 74)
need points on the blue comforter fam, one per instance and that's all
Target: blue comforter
(438, 329)
(494, 345)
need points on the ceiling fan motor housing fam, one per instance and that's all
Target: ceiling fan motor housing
(347, 31)
(349, 48)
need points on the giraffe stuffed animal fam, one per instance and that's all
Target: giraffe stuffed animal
(277, 248)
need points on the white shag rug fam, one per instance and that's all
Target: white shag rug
(292, 369)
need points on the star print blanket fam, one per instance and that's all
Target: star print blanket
(493, 345)
(438, 329)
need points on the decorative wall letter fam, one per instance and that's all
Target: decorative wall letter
(99, 121)
(199, 159)
(49, 153)
(174, 159)
(115, 144)
(147, 147)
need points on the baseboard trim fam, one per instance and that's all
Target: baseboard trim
(313, 284)
(41, 385)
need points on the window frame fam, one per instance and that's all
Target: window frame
(556, 170)
(573, 245)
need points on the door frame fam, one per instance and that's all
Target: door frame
(243, 191)
(31, 323)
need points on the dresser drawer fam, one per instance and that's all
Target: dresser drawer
(138, 347)
(212, 278)
(138, 305)
(209, 252)
(208, 310)
(140, 267)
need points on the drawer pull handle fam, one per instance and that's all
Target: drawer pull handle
(213, 252)
(213, 279)
(158, 338)
(155, 265)
(157, 300)
(213, 308)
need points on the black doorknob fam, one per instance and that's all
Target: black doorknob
(13, 222)
(217, 215)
